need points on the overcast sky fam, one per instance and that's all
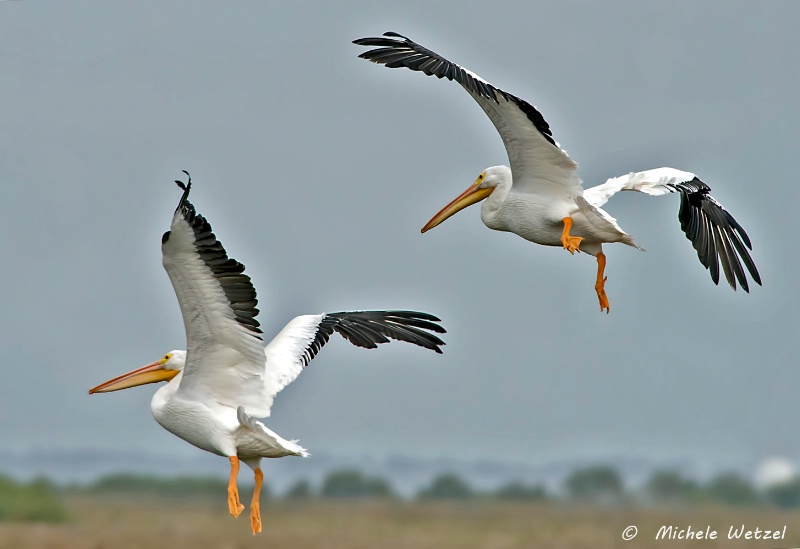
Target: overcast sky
(317, 171)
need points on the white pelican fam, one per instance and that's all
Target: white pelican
(226, 377)
(544, 201)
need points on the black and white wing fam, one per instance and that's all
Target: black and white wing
(715, 234)
(225, 351)
(537, 161)
(300, 340)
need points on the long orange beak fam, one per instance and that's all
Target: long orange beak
(469, 197)
(152, 373)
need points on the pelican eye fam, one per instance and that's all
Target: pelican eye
(167, 357)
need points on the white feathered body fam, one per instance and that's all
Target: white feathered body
(538, 216)
(218, 428)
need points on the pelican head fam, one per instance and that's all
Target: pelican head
(488, 180)
(163, 369)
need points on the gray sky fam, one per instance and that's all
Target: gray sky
(317, 170)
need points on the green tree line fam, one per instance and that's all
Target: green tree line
(37, 500)
(594, 485)
(41, 500)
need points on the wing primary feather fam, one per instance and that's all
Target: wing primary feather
(187, 187)
(395, 50)
(716, 236)
(723, 255)
(745, 256)
(397, 325)
(408, 334)
(357, 335)
(368, 329)
(712, 252)
(701, 236)
(391, 55)
(736, 264)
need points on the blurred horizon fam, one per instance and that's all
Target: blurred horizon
(406, 473)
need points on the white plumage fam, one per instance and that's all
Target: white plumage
(540, 197)
(226, 378)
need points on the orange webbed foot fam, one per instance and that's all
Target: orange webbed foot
(255, 518)
(571, 243)
(234, 505)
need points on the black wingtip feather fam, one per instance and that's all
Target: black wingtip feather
(368, 329)
(228, 272)
(187, 187)
(399, 51)
(716, 236)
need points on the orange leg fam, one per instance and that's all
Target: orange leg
(600, 285)
(570, 243)
(234, 505)
(255, 505)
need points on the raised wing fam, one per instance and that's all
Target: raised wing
(225, 353)
(537, 160)
(301, 339)
(715, 234)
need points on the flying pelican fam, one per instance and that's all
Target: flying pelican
(226, 377)
(544, 201)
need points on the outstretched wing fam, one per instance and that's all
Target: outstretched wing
(537, 160)
(300, 340)
(225, 353)
(715, 234)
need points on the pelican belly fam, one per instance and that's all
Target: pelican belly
(534, 218)
(199, 425)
